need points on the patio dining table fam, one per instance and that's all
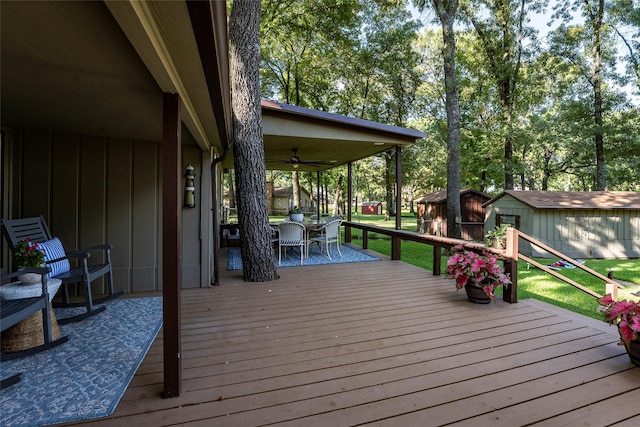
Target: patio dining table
(311, 226)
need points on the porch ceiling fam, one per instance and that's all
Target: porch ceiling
(99, 69)
(72, 67)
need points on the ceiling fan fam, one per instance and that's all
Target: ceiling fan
(295, 161)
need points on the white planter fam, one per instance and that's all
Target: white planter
(297, 217)
(30, 278)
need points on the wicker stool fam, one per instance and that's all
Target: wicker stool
(28, 333)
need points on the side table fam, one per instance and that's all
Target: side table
(28, 333)
(17, 290)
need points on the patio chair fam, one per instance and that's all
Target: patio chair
(291, 234)
(14, 311)
(36, 230)
(330, 233)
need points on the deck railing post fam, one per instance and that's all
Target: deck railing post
(365, 239)
(510, 293)
(437, 259)
(611, 288)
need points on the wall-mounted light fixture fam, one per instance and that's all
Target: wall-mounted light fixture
(189, 188)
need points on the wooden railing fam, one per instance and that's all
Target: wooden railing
(512, 252)
(509, 256)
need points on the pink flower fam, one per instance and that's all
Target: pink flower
(468, 267)
(626, 314)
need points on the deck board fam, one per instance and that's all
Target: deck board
(380, 343)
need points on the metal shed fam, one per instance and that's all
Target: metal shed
(595, 224)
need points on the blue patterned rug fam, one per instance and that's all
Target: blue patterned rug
(85, 377)
(315, 257)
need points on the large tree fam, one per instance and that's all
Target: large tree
(258, 263)
(446, 11)
(501, 30)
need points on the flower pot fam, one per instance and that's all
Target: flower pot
(498, 244)
(29, 278)
(633, 350)
(476, 294)
(297, 217)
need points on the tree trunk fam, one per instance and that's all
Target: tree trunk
(388, 185)
(338, 198)
(258, 263)
(295, 188)
(601, 173)
(447, 16)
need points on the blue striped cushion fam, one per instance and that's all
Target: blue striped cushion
(52, 250)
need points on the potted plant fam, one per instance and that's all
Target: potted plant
(479, 274)
(626, 315)
(295, 214)
(27, 254)
(497, 237)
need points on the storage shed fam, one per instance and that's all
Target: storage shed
(371, 208)
(432, 213)
(595, 224)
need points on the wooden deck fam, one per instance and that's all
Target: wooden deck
(382, 343)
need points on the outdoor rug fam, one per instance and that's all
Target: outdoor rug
(315, 257)
(85, 377)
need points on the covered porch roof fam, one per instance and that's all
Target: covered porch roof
(297, 138)
(109, 81)
(58, 76)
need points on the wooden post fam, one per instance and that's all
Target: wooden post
(216, 224)
(437, 259)
(171, 243)
(318, 195)
(347, 230)
(510, 294)
(396, 251)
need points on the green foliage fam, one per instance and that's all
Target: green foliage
(367, 59)
(28, 254)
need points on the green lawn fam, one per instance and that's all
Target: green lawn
(532, 282)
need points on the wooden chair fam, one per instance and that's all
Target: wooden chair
(36, 230)
(16, 310)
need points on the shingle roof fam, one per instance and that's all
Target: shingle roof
(575, 199)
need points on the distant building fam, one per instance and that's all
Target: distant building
(432, 213)
(282, 199)
(595, 224)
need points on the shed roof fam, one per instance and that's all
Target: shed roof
(574, 199)
(441, 195)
